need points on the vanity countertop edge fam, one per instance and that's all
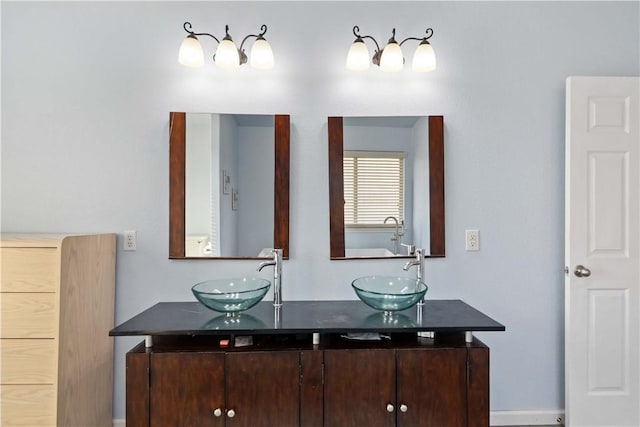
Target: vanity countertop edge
(299, 317)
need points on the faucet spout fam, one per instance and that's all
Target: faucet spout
(396, 234)
(277, 275)
(418, 262)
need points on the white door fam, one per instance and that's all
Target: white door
(602, 284)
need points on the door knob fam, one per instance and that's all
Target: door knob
(403, 408)
(582, 271)
(390, 407)
(217, 412)
(231, 413)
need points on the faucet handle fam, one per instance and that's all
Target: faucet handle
(411, 249)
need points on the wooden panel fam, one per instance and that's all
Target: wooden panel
(336, 187)
(28, 405)
(28, 315)
(281, 202)
(359, 384)
(436, 185)
(29, 270)
(177, 153)
(85, 385)
(186, 388)
(432, 384)
(478, 387)
(311, 389)
(137, 387)
(273, 397)
(28, 361)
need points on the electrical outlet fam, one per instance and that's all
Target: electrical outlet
(472, 240)
(129, 240)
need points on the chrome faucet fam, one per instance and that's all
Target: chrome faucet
(411, 249)
(418, 262)
(277, 276)
(397, 235)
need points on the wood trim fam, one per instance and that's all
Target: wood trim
(478, 387)
(282, 131)
(336, 187)
(311, 390)
(436, 185)
(137, 387)
(177, 159)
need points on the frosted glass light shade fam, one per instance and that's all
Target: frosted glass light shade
(424, 58)
(261, 55)
(358, 57)
(190, 53)
(227, 56)
(392, 60)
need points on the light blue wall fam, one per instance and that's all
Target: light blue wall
(421, 221)
(228, 160)
(198, 175)
(87, 88)
(256, 154)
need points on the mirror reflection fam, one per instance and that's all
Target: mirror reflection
(230, 206)
(386, 183)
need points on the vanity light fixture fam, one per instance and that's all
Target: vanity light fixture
(227, 55)
(391, 59)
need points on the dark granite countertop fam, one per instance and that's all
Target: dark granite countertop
(193, 318)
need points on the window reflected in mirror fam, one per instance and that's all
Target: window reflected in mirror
(386, 186)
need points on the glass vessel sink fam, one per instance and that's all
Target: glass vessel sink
(231, 295)
(389, 294)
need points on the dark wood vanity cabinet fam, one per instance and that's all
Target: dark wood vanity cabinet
(215, 389)
(405, 387)
(421, 384)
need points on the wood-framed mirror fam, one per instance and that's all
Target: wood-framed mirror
(228, 185)
(407, 153)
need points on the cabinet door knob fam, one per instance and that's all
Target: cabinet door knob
(231, 413)
(390, 407)
(403, 408)
(217, 412)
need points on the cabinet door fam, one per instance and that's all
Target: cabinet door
(186, 389)
(263, 389)
(432, 387)
(358, 387)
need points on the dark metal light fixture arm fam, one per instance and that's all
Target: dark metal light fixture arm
(263, 31)
(356, 30)
(428, 36)
(191, 33)
(243, 55)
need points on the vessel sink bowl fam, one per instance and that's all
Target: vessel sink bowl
(368, 252)
(231, 295)
(388, 293)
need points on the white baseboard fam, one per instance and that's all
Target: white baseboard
(497, 418)
(527, 418)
